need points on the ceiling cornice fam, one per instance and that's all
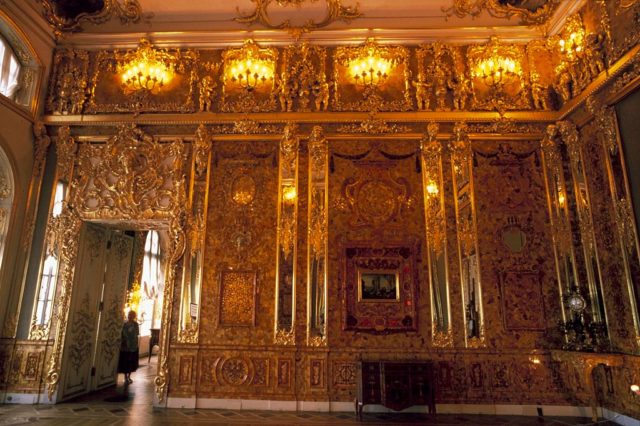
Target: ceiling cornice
(224, 39)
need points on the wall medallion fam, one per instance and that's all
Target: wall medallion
(243, 190)
(235, 371)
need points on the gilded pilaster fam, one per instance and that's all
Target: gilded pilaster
(574, 144)
(627, 236)
(436, 235)
(287, 236)
(468, 254)
(318, 237)
(196, 223)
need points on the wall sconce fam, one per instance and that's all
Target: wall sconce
(370, 65)
(250, 66)
(635, 390)
(289, 194)
(370, 71)
(432, 189)
(498, 67)
(571, 43)
(572, 47)
(146, 69)
(497, 75)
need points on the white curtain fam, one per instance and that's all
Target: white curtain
(9, 70)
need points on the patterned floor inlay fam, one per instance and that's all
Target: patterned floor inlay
(119, 406)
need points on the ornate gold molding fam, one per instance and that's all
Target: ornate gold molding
(335, 12)
(501, 9)
(129, 11)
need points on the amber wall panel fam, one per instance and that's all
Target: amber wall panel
(241, 236)
(520, 295)
(376, 202)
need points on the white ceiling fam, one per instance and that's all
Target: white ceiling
(192, 21)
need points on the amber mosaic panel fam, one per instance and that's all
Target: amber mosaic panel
(237, 298)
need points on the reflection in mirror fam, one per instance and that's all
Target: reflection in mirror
(317, 252)
(435, 225)
(514, 238)
(287, 246)
(584, 233)
(558, 214)
(463, 184)
(197, 217)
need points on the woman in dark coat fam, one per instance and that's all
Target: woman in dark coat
(129, 353)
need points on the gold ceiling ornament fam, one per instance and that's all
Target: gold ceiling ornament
(128, 11)
(146, 69)
(537, 13)
(335, 12)
(497, 75)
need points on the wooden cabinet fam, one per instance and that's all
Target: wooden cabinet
(396, 385)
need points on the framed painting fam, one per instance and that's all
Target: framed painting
(378, 286)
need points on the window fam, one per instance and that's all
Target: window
(151, 284)
(6, 199)
(9, 70)
(47, 288)
(58, 198)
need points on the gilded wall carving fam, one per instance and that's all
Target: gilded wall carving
(375, 186)
(133, 175)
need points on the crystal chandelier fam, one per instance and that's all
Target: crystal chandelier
(146, 69)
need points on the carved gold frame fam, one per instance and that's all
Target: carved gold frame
(474, 8)
(499, 99)
(435, 226)
(67, 236)
(108, 63)
(129, 11)
(467, 232)
(335, 12)
(287, 235)
(372, 101)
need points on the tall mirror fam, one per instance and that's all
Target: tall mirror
(436, 227)
(196, 222)
(462, 165)
(318, 230)
(287, 246)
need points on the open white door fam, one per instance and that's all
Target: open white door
(116, 277)
(83, 315)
